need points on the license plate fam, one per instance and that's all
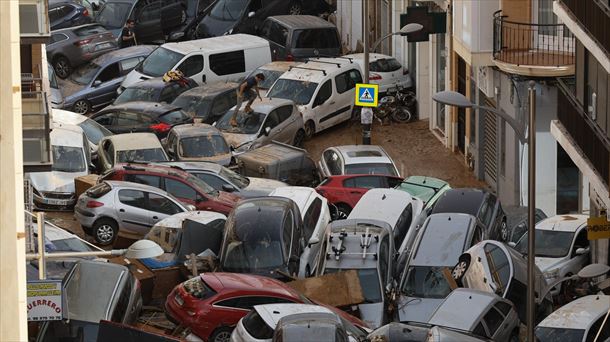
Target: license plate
(179, 299)
(103, 46)
(56, 201)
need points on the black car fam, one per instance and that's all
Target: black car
(154, 90)
(263, 236)
(208, 103)
(64, 14)
(141, 117)
(485, 206)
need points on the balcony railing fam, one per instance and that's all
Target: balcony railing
(594, 17)
(36, 124)
(525, 44)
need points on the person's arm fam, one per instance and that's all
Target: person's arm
(242, 87)
(126, 37)
(258, 92)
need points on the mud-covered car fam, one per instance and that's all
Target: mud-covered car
(197, 142)
(282, 162)
(208, 103)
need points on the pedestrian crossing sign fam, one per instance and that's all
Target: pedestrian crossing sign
(367, 95)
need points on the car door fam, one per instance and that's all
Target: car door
(173, 14)
(161, 207)
(345, 88)
(127, 122)
(271, 123)
(105, 84)
(108, 120)
(323, 105)
(183, 192)
(132, 211)
(358, 186)
(284, 131)
(148, 27)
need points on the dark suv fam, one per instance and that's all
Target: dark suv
(184, 186)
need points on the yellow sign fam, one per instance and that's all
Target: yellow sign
(598, 228)
(367, 95)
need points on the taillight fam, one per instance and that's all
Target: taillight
(94, 204)
(405, 71)
(289, 57)
(86, 13)
(374, 77)
(160, 127)
(82, 42)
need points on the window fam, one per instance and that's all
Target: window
(106, 119)
(581, 241)
(272, 120)
(498, 266)
(127, 119)
(228, 63)
(605, 330)
(122, 305)
(174, 117)
(288, 231)
(403, 225)
(223, 103)
(109, 73)
(504, 307)
(385, 65)
(384, 254)
(133, 198)
(284, 112)
(493, 320)
(128, 64)
(180, 190)
(144, 179)
(169, 93)
(192, 65)
(316, 39)
(162, 205)
(479, 330)
(370, 182)
(247, 303)
(276, 33)
(347, 81)
(212, 180)
(58, 37)
(323, 94)
(310, 220)
(332, 162)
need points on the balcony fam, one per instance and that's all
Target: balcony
(36, 125)
(594, 17)
(532, 49)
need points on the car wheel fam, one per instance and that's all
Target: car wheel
(222, 334)
(504, 231)
(310, 129)
(460, 269)
(298, 138)
(295, 8)
(343, 211)
(82, 107)
(105, 231)
(62, 67)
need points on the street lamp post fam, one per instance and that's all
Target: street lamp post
(452, 98)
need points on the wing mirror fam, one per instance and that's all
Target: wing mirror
(228, 188)
(251, 14)
(267, 131)
(581, 251)
(97, 83)
(190, 207)
(513, 245)
(313, 241)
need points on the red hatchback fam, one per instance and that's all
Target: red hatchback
(212, 304)
(184, 186)
(346, 190)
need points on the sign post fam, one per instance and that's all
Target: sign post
(44, 301)
(367, 96)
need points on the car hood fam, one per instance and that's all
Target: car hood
(212, 27)
(222, 159)
(371, 314)
(547, 264)
(54, 181)
(71, 88)
(261, 187)
(420, 310)
(238, 139)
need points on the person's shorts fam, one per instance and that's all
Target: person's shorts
(250, 94)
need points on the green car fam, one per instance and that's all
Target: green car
(427, 189)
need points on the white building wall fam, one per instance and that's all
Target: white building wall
(473, 23)
(350, 23)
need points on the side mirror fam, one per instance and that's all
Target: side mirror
(232, 148)
(267, 131)
(513, 245)
(190, 207)
(97, 83)
(251, 14)
(581, 251)
(228, 188)
(313, 241)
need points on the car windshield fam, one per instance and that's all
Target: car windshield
(67, 245)
(370, 169)
(234, 177)
(203, 186)
(229, 10)
(68, 159)
(426, 282)
(246, 123)
(270, 77)
(203, 146)
(114, 14)
(253, 256)
(142, 155)
(137, 94)
(552, 334)
(52, 78)
(315, 330)
(85, 74)
(94, 131)
(369, 281)
(298, 91)
(196, 105)
(424, 193)
(549, 243)
(385, 65)
(159, 62)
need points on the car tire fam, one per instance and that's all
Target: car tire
(344, 211)
(81, 107)
(460, 269)
(299, 137)
(310, 129)
(105, 231)
(62, 67)
(222, 334)
(295, 8)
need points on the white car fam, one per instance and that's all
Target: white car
(579, 320)
(384, 70)
(356, 159)
(562, 247)
(316, 217)
(93, 131)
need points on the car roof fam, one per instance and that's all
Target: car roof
(268, 104)
(318, 69)
(442, 240)
(218, 44)
(195, 130)
(301, 195)
(153, 109)
(302, 21)
(138, 186)
(210, 90)
(278, 65)
(465, 200)
(195, 166)
(67, 135)
(477, 301)
(272, 313)
(67, 117)
(199, 216)
(563, 223)
(351, 256)
(580, 313)
(130, 141)
(383, 204)
(243, 282)
(124, 53)
(359, 154)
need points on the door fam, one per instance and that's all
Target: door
(358, 186)
(161, 207)
(277, 36)
(322, 106)
(272, 122)
(148, 27)
(132, 211)
(172, 15)
(461, 124)
(345, 88)
(286, 127)
(105, 84)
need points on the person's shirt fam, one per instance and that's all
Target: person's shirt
(250, 83)
(127, 32)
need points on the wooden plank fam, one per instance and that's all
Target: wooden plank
(335, 289)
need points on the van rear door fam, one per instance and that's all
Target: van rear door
(148, 23)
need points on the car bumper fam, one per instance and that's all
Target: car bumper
(84, 217)
(53, 203)
(178, 316)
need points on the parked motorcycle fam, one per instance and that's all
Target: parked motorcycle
(399, 105)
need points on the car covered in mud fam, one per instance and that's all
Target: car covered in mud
(197, 142)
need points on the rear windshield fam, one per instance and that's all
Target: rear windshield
(137, 94)
(316, 39)
(174, 117)
(90, 30)
(256, 326)
(198, 289)
(385, 65)
(159, 62)
(203, 147)
(370, 169)
(144, 155)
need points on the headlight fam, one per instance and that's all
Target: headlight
(552, 274)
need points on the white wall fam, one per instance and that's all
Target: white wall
(473, 23)
(350, 22)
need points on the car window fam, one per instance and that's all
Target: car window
(106, 119)
(192, 65)
(160, 204)
(315, 39)
(228, 63)
(369, 182)
(174, 117)
(58, 37)
(212, 180)
(581, 241)
(128, 64)
(484, 212)
(393, 182)
(332, 162)
(248, 302)
(277, 33)
(498, 266)
(385, 65)
(323, 94)
(346, 81)
(311, 217)
(287, 236)
(109, 73)
(121, 308)
(272, 120)
(169, 93)
(150, 12)
(127, 119)
(493, 320)
(479, 330)
(144, 179)
(180, 190)
(134, 198)
(504, 307)
(604, 332)
(55, 13)
(403, 225)
(284, 112)
(384, 253)
(223, 103)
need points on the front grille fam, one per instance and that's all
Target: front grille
(58, 195)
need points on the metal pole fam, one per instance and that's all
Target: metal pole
(531, 221)
(61, 255)
(366, 128)
(42, 262)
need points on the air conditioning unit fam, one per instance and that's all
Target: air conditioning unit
(485, 80)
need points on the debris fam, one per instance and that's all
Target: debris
(335, 289)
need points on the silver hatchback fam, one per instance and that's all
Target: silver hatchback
(113, 206)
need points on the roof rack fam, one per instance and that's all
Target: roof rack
(298, 67)
(325, 62)
(365, 243)
(350, 59)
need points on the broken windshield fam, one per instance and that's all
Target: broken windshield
(246, 123)
(426, 282)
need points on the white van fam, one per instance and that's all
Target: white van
(226, 58)
(322, 88)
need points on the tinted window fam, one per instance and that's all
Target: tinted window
(324, 93)
(162, 205)
(504, 307)
(127, 119)
(256, 326)
(272, 120)
(174, 117)
(284, 112)
(228, 63)
(366, 182)
(133, 198)
(192, 65)
(169, 94)
(287, 236)
(105, 119)
(311, 218)
(144, 179)
(347, 81)
(212, 180)
(332, 162)
(493, 319)
(130, 63)
(403, 225)
(384, 252)
(249, 302)
(122, 304)
(480, 330)
(276, 33)
(109, 73)
(315, 39)
(57, 37)
(223, 103)
(385, 65)
(179, 189)
(90, 30)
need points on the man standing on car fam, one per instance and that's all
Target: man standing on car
(128, 38)
(245, 91)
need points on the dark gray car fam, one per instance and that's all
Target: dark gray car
(154, 90)
(208, 103)
(94, 85)
(71, 47)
